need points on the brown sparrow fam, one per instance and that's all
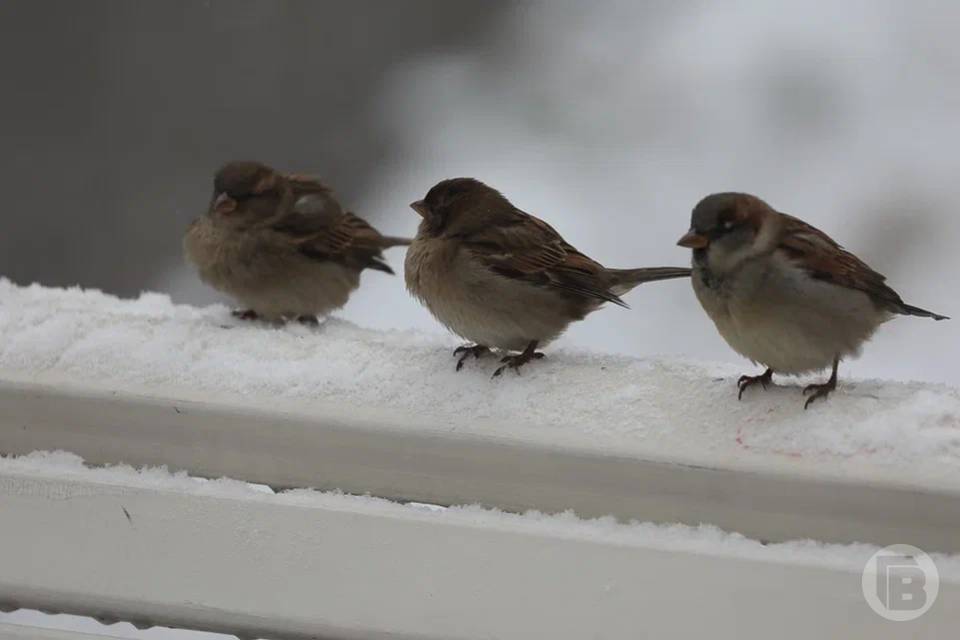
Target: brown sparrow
(783, 293)
(281, 245)
(502, 278)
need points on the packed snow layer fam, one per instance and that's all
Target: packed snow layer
(703, 539)
(649, 407)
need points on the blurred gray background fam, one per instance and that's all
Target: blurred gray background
(610, 120)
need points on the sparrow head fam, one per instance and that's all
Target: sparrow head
(727, 227)
(460, 205)
(245, 191)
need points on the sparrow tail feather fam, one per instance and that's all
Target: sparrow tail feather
(910, 310)
(395, 241)
(627, 279)
(379, 265)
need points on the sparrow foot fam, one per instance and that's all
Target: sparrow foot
(245, 314)
(818, 391)
(466, 351)
(821, 390)
(310, 321)
(517, 361)
(748, 381)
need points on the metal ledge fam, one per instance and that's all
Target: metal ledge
(263, 568)
(23, 632)
(360, 451)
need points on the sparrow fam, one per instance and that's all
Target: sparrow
(281, 244)
(783, 293)
(502, 278)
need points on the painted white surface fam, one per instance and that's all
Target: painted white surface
(365, 451)
(264, 565)
(23, 632)
(113, 630)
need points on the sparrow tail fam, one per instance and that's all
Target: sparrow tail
(626, 279)
(909, 310)
(376, 262)
(393, 241)
(379, 265)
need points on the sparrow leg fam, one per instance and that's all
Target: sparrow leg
(748, 381)
(310, 321)
(466, 351)
(822, 390)
(517, 361)
(245, 314)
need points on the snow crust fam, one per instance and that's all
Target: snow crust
(703, 539)
(615, 403)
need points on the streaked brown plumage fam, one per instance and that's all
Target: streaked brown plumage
(783, 293)
(281, 244)
(503, 278)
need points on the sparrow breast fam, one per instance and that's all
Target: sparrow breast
(479, 305)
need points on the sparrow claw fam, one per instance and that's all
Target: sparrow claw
(466, 351)
(821, 390)
(310, 321)
(748, 381)
(516, 361)
(817, 391)
(245, 314)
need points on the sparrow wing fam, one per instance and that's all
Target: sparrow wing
(320, 229)
(824, 259)
(527, 248)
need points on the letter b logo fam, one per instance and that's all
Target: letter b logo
(900, 582)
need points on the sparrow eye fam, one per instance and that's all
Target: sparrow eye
(728, 225)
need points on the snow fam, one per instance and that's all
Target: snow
(633, 406)
(675, 409)
(703, 539)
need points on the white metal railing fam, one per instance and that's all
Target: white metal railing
(364, 452)
(118, 545)
(290, 566)
(152, 549)
(23, 632)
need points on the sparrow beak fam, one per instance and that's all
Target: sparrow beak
(693, 240)
(420, 207)
(224, 204)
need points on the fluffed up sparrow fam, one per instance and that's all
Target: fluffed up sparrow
(281, 244)
(502, 278)
(783, 293)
